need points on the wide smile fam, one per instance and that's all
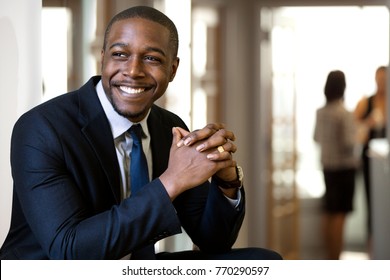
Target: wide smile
(132, 91)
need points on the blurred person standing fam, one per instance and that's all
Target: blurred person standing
(335, 132)
(370, 114)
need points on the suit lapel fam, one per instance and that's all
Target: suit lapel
(98, 132)
(161, 140)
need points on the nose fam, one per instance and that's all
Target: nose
(134, 67)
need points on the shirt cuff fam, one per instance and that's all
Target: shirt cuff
(235, 202)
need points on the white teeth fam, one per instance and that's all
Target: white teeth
(131, 90)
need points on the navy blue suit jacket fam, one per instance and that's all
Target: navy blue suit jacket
(66, 200)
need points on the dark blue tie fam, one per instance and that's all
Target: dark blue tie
(138, 165)
(139, 176)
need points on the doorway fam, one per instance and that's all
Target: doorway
(306, 44)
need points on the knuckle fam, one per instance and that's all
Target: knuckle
(211, 126)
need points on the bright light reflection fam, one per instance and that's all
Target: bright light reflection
(54, 51)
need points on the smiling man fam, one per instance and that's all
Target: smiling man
(72, 163)
(138, 62)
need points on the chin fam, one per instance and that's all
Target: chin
(131, 115)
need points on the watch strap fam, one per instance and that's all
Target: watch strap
(230, 184)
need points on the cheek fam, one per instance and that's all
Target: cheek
(110, 66)
(163, 76)
(162, 83)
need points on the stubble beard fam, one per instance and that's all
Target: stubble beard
(127, 115)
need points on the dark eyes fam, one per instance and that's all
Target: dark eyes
(123, 55)
(119, 54)
(152, 58)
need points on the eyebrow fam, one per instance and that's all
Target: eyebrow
(153, 49)
(118, 45)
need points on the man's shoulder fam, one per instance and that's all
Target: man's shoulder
(57, 108)
(166, 116)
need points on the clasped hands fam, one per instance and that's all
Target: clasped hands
(196, 156)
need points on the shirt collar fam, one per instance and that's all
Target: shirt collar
(119, 124)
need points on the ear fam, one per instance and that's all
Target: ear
(175, 65)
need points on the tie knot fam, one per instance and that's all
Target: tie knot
(136, 132)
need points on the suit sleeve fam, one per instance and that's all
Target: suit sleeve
(209, 219)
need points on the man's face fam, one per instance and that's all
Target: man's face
(137, 66)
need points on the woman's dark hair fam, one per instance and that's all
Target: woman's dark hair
(335, 86)
(148, 13)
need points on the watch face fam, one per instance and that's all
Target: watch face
(240, 173)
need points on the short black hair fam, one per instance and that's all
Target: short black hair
(381, 68)
(335, 86)
(148, 13)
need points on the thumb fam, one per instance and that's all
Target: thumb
(176, 135)
(183, 133)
